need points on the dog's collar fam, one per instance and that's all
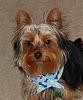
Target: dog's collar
(49, 80)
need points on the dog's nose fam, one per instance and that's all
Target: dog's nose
(38, 55)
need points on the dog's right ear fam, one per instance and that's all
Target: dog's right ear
(22, 19)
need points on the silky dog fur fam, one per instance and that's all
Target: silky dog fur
(41, 49)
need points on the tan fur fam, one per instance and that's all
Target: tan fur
(52, 55)
(29, 93)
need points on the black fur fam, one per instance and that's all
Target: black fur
(16, 47)
(17, 51)
(73, 69)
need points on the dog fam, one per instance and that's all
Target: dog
(49, 60)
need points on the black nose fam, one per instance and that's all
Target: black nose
(38, 55)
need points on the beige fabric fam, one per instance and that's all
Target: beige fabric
(10, 77)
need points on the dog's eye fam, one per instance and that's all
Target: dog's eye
(48, 42)
(29, 43)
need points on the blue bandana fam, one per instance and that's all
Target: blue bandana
(49, 80)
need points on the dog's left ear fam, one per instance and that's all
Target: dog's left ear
(23, 18)
(54, 17)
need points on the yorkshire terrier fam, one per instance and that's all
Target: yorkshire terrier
(48, 58)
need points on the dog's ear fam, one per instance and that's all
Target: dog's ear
(22, 19)
(54, 17)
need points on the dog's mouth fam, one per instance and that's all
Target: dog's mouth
(35, 67)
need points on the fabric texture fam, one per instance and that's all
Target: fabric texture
(49, 80)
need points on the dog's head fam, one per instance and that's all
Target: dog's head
(39, 48)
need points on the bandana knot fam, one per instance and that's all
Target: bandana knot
(49, 80)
